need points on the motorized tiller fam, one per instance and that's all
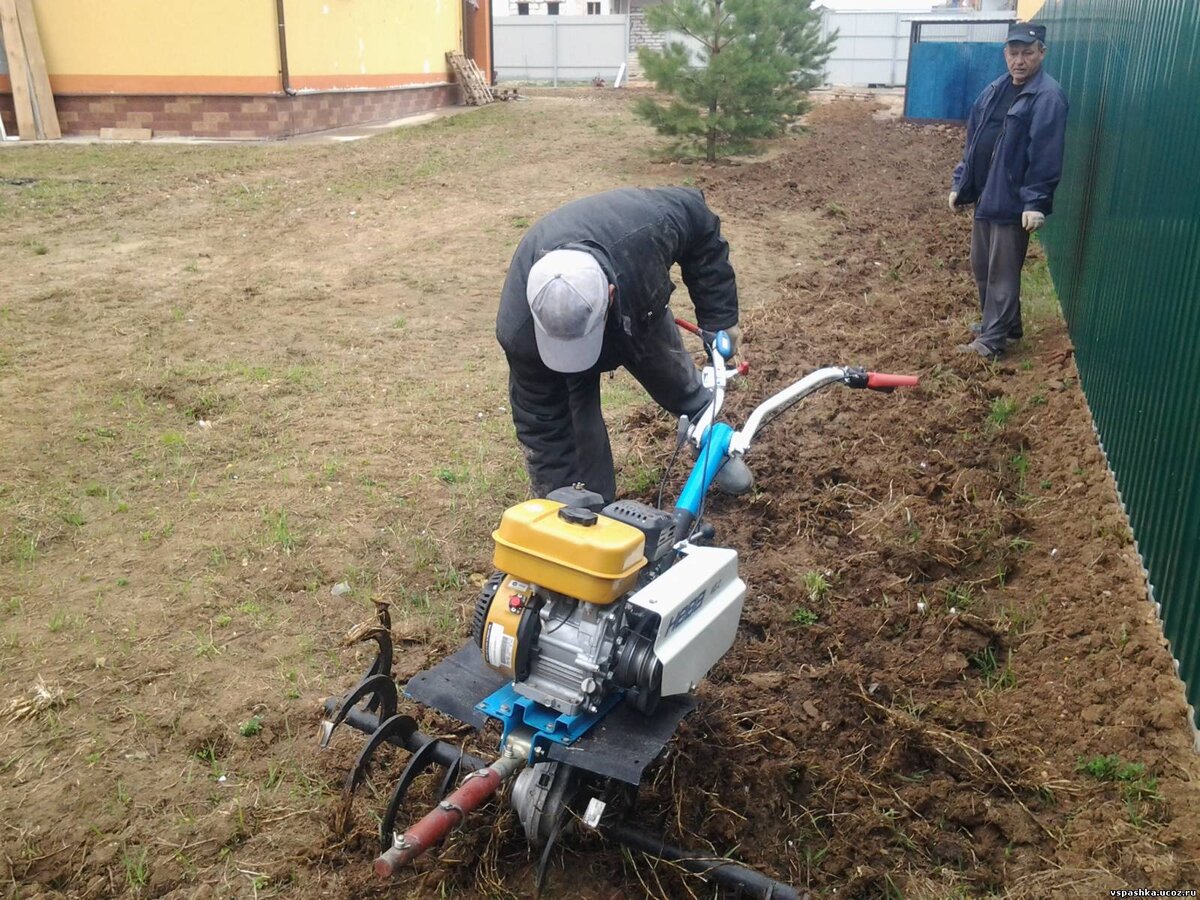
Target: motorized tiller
(587, 646)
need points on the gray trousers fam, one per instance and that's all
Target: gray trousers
(997, 255)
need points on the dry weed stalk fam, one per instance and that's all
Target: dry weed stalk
(43, 698)
(969, 757)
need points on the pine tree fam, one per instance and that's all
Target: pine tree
(755, 63)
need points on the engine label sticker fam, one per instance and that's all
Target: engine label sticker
(689, 610)
(499, 647)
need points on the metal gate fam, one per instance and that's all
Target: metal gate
(950, 61)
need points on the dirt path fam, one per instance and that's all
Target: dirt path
(235, 378)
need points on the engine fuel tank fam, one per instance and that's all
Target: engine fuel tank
(578, 553)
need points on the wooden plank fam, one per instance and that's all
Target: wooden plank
(46, 114)
(126, 134)
(470, 79)
(483, 81)
(18, 71)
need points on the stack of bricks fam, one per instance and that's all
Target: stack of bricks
(240, 117)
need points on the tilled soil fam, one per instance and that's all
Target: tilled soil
(986, 630)
(948, 680)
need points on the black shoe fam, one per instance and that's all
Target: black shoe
(734, 477)
(976, 328)
(979, 348)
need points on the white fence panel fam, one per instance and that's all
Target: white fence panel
(560, 48)
(871, 48)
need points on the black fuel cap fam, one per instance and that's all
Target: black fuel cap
(578, 515)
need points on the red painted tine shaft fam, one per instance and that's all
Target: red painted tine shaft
(472, 794)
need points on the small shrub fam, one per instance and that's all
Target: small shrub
(804, 616)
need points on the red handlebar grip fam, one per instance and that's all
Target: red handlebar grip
(687, 326)
(877, 380)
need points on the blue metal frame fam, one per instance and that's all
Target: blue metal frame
(513, 710)
(713, 449)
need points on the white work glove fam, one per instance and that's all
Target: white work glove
(1032, 220)
(735, 337)
(954, 201)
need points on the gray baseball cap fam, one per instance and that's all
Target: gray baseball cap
(567, 292)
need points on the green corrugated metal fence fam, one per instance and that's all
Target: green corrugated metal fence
(1124, 250)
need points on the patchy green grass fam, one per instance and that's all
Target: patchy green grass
(279, 532)
(1001, 410)
(816, 585)
(804, 616)
(451, 474)
(137, 868)
(1039, 300)
(995, 676)
(1139, 789)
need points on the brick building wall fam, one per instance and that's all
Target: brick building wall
(640, 34)
(238, 116)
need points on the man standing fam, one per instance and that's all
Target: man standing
(1011, 164)
(586, 293)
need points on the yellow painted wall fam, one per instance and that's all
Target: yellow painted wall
(368, 43)
(144, 46)
(231, 46)
(1027, 9)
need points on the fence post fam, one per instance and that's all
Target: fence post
(625, 60)
(554, 41)
(896, 23)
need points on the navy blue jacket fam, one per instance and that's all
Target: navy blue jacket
(1027, 163)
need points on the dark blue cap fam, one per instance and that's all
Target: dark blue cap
(1026, 33)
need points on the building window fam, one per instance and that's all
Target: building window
(593, 9)
(522, 9)
(552, 9)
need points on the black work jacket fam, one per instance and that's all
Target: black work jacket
(636, 234)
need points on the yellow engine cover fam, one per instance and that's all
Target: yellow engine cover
(596, 563)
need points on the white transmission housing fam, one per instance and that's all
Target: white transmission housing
(698, 603)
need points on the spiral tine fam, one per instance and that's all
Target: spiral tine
(419, 762)
(396, 726)
(383, 691)
(450, 777)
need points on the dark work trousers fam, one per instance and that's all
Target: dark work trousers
(558, 417)
(997, 255)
